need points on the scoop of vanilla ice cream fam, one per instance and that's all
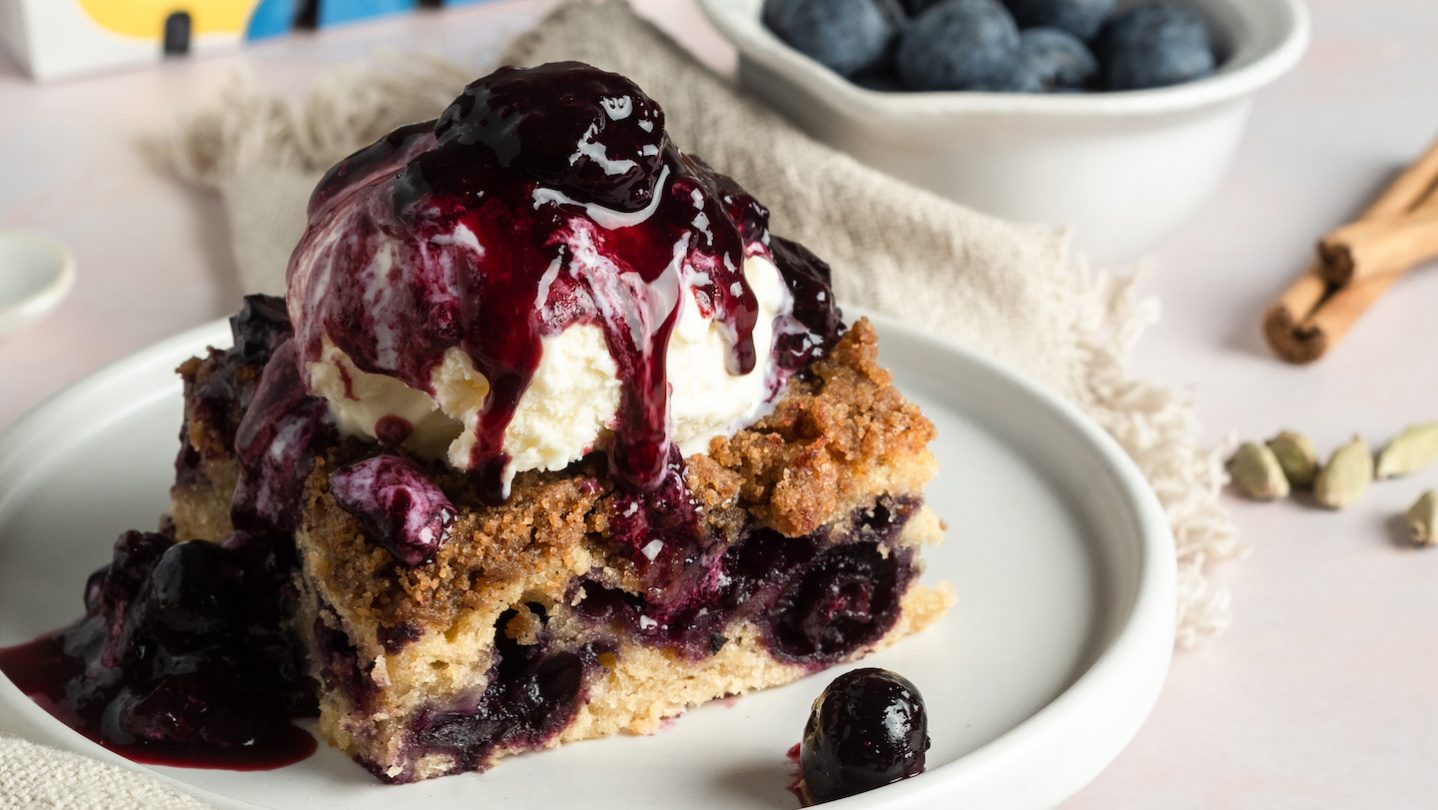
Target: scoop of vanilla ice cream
(573, 398)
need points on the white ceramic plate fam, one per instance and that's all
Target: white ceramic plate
(1045, 670)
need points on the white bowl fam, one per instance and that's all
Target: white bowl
(1125, 169)
(35, 275)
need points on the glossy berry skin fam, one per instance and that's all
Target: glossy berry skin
(1082, 18)
(959, 45)
(915, 7)
(1155, 45)
(869, 728)
(846, 36)
(1050, 59)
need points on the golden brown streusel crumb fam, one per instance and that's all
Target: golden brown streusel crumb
(800, 465)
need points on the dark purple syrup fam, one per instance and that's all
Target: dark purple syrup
(283, 430)
(539, 199)
(220, 394)
(41, 669)
(181, 658)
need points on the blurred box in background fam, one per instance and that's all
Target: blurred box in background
(55, 39)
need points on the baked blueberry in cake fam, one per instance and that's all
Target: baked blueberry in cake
(560, 440)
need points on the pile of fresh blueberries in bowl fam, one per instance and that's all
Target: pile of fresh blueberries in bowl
(1005, 46)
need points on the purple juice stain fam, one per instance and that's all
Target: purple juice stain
(397, 505)
(541, 198)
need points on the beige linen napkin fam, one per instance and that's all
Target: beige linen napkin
(33, 777)
(1012, 292)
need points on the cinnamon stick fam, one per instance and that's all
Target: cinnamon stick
(1319, 308)
(1378, 247)
(1286, 323)
(1329, 317)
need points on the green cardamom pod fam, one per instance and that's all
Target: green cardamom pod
(1346, 476)
(1256, 472)
(1297, 456)
(1414, 448)
(1423, 520)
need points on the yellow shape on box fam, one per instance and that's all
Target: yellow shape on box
(145, 19)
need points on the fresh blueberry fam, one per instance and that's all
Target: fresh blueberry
(1155, 45)
(1050, 59)
(398, 506)
(1082, 18)
(959, 45)
(916, 7)
(867, 729)
(883, 81)
(846, 36)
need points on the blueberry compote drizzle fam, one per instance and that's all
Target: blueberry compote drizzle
(220, 398)
(541, 198)
(276, 443)
(181, 658)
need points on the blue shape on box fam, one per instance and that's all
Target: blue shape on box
(271, 18)
(332, 12)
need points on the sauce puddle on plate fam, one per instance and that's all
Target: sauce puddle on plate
(41, 670)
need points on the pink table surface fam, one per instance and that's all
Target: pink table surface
(1325, 691)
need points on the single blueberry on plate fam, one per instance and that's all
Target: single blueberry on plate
(867, 729)
(959, 45)
(846, 36)
(1050, 59)
(1082, 18)
(1155, 45)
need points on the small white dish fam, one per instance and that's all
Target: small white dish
(36, 274)
(1050, 662)
(1125, 169)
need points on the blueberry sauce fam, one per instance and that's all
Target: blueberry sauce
(398, 506)
(283, 430)
(816, 323)
(541, 198)
(181, 657)
(219, 390)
